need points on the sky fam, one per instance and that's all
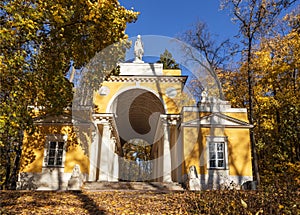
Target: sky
(170, 18)
(173, 17)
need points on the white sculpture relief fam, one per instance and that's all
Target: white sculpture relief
(75, 181)
(193, 179)
(138, 50)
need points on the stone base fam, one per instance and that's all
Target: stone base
(47, 180)
(194, 184)
(140, 68)
(74, 184)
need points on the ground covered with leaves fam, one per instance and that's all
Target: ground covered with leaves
(146, 202)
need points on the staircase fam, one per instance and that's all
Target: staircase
(145, 186)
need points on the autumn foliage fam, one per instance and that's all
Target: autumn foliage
(40, 42)
(278, 201)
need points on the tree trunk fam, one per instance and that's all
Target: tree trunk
(16, 168)
(8, 169)
(251, 113)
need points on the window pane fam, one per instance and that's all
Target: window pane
(51, 161)
(59, 161)
(211, 147)
(220, 163)
(212, 155)
(220, 146)
(59, 153)
(52, 145)
(51, 153)
(60, 145)
(220, 155)
(212, 163)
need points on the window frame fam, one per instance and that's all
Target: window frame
(215, 140)
(57, 138)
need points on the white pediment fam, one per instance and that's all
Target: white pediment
(217, 120)
(45, 119)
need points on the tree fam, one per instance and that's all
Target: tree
(136, 165)
(277, 97)
(255, 18)
(168, 61)
(216, 54)
(39, 40)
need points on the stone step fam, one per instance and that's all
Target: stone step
(158, 186)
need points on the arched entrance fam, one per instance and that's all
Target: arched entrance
(136, 164)
(137, 113)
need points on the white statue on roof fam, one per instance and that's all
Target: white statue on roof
(138, 50)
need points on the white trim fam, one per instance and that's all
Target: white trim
(148, 79)
(152, 69)
(227, 110)
(217, 120)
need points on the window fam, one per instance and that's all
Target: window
(217, 152)
(54, 151)
(216, 155)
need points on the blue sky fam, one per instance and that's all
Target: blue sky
(172, 17)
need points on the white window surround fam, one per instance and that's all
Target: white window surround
(214, 140)
(54, 138)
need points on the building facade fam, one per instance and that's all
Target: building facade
(141, 128)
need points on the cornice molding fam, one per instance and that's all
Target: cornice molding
(148, 79)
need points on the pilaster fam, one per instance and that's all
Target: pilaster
(169, 148)
(94, 154)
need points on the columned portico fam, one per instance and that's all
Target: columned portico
(104, 148)
(165, 159)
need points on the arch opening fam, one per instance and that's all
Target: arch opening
(136, 164)
(137, 114)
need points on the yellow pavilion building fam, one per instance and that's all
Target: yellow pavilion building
(140, 128)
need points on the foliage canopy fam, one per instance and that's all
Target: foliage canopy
(40, 40)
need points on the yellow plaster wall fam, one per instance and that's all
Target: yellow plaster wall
(103, 101)
(173, 105)
(239, 153)
(191, 150)
(238, 115)
(33, 151)
(194, 153)
(34, 146)
(172, 72)
(188, 116)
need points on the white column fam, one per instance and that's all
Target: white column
(173, 144)
(94, 153)
(116, 168)
(179, 156)
(167, 167)
(159, 161)
(113, 161)
(104, 153)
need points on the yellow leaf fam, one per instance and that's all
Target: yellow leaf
(260, 211)
(244, 204)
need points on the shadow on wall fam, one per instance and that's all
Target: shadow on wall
(236, 176)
